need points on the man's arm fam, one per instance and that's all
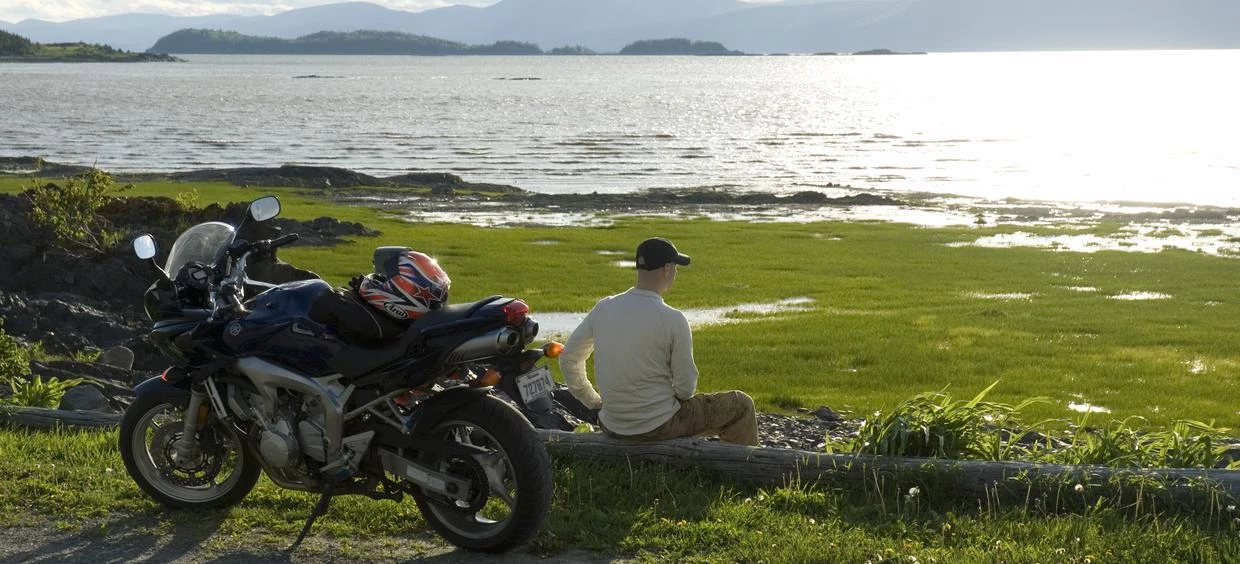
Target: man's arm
(684, 371)
(573, 364)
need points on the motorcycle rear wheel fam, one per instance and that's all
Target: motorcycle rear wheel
(516, 496)
(220, 473)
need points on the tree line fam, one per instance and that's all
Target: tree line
(368, 42)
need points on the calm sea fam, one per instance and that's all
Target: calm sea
(1141, 126)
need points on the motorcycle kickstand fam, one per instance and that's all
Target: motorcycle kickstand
(319, 508)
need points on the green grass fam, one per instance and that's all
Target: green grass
(896, 313)
(649, 512)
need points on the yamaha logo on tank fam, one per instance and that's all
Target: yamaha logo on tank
(234, 328)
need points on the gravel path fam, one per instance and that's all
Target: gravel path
(186, 541)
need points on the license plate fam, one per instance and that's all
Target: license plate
(535, 384)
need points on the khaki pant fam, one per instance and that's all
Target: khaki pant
(727, 414)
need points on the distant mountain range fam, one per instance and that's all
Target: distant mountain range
(791, 26)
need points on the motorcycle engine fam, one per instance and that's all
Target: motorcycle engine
(294, 431)
(278, 446)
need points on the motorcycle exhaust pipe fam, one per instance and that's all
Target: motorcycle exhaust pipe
(498, 342)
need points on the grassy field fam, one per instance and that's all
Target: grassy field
(896, 311)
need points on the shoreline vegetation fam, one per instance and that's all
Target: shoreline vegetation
(371, 42)
(17, 49)
(344, 184)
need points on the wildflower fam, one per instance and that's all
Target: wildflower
(1079, 488)
(914, 491)
(1231, 508)
(812, 521)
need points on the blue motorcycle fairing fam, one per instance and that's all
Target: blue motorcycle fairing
(158, 384)
(278, 327)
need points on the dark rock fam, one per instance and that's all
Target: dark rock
(85, 398)
(827, 414)
(119, 357)
(66, 323)
(287, 175)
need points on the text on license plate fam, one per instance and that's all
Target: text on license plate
(535, 384)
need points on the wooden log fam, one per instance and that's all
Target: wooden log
(982, 480)
(43, 418)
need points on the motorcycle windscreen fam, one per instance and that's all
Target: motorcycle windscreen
(200, 243)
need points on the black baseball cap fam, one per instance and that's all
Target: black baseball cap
(655, 252)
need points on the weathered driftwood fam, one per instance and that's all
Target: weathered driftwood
(983, 480)
(42, 418)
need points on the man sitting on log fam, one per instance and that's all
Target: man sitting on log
(643, 363)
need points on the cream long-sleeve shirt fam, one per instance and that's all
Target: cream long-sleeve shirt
(643, 361)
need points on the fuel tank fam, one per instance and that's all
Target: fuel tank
(279, 329)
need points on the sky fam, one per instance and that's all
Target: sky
(61, 10)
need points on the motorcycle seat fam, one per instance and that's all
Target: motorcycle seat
(450, 314)
(355, 360)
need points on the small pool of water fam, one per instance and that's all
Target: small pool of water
(559, 325)
(1087, 408)
(1140, 296)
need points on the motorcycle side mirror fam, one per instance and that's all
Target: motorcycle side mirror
(144, 247)
(265, 208)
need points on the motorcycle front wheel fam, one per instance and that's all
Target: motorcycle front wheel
(218, 472)
(513, 479)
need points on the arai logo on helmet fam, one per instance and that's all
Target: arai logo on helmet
(395, 310)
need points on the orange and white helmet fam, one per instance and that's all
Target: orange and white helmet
(417, 286)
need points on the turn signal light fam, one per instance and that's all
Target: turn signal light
(490, 378)
(552, 349)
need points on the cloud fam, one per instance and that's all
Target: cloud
(61, 10)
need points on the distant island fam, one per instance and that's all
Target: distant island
(17, 49)
(205, 41)
(888, 52)
(676, 46)
(367, 42)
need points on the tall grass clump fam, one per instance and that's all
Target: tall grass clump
(1126, 443)
(933, 424)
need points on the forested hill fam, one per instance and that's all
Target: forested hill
(15, 48)
(14, 45)
(204, 41)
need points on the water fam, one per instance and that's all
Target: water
(1070, 126)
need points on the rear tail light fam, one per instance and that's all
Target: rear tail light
(515, 312)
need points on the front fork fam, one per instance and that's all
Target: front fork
(186, 446)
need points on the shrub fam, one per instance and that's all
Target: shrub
(71, 212)
(14, 361)
(14, 371)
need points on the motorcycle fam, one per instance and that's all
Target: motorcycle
(258, 385)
